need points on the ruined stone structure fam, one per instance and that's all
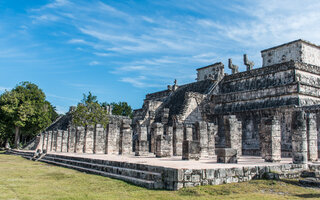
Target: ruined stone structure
(270, 112)
(252, 111)
(63, 136)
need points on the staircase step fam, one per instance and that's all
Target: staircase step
(122, 164)
(20, 153)
(157, 177)
(140, 182)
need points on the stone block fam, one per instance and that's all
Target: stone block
(188, 132)
(226, 155)
(112, 141)
(59, 141)
(156, 129)
(89, 139)
(65, 138)
(312, 137)
(79, 139)
(100, 140)
(233, 133)
(191, 150)
(177, 139)
(299, 138)
(126, 138)
(164, 146)
(142, 148)
(203, 137)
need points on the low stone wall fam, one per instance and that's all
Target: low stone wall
(197, 177)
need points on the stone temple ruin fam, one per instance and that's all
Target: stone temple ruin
(271, 112)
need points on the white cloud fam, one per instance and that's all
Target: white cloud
(94, 63)
(45, 18)
(148, 19)
(139, 82)
(171, 46)
(52, 5)
(77, 41)
(103, 54)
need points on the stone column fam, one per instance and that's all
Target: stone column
(142, 143)
(54, 140)
(156, 129)
(44, 143)
(299, 138)
(202, 135)
(270, 139)
(233, 133)
(126, 138)
(177, 139)
(100, 142)
(59, 140)
(89, 139)
(191, 150)
(79, 139)
(212, 132)
(64, 147)
(312, 137)
(113, 136)
(49, 141)
(72, 139)
(164, 146)
(40, 145)
(165, 116)
(188, 132)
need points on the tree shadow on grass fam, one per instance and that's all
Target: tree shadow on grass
(296, 183)
(308, 195)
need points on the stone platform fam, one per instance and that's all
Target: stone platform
(173, 173)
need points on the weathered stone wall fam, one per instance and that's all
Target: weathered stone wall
(197, 177)
(298, 50)
(116, 138)
(214, 72)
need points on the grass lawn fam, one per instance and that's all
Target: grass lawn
(24, 179)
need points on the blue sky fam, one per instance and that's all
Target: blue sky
(122, 50)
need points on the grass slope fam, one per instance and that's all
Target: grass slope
(24, 179)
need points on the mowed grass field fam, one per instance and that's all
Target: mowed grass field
(24, 179)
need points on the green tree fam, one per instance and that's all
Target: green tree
(25, 109)
(89, 112)
(121, 108)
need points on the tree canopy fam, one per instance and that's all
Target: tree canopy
(90, 112)
(121, 108)
(25, 110)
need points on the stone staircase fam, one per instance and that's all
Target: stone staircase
(25, 154)
(310, 178)
(137, 174)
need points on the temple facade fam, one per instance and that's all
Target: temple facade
(270, 111)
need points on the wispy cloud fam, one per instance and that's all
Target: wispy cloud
(62, 97)
(140, 82)
(165, 45)
(94, 63)
(53, 4)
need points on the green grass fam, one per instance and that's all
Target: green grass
(24, 179)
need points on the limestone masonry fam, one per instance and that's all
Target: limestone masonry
(271, 111)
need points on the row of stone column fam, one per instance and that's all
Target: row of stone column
(304, 138)
(199, 140)
(114, 139)
(168, 141)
